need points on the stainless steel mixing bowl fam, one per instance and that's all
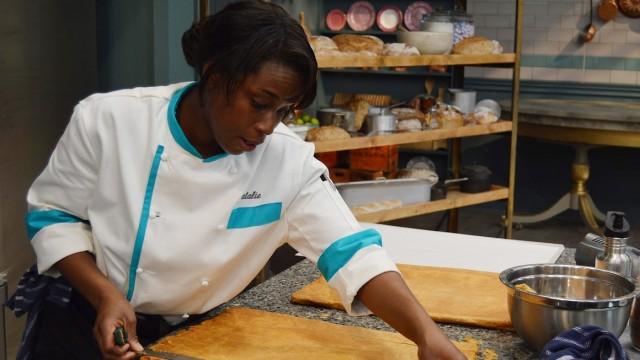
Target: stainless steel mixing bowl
(566, 296)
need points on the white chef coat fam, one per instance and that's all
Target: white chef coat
(181, 234)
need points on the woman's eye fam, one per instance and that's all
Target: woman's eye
(258, 105)
(284, 112)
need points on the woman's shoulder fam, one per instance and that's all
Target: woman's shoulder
(285, 143)
(130, 96)
(286, 138)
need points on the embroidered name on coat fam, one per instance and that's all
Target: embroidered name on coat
(252, 195)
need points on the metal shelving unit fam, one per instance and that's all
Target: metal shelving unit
(454, 199)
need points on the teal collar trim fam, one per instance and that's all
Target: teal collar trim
(215, 157)
(176, 130)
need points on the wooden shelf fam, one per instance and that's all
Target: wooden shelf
(410, 71)
(372, 31)
(411, 137)
(354, 61)
(455, 199)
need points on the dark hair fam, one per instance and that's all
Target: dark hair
(243, 36)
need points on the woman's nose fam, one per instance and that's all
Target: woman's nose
(267, 123)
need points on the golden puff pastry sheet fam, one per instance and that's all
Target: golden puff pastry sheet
(247, 334)
(455, 296)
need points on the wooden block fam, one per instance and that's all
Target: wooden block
(329, 159)
(384, 158)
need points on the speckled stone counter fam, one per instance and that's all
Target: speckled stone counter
(273, 295)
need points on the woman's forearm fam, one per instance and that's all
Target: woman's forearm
(388, 297)
(81, 271)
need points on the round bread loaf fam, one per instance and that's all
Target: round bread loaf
(324, 133)
(322, 43)
(477, 45)
(359, 43)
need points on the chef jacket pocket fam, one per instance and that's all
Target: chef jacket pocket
(244, 217)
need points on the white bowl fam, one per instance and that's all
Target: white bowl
(428, 42)
(300, 130)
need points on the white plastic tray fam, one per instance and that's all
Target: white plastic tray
(408, 191)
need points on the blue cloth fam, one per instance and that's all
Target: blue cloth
(584, 343)
(32, 290)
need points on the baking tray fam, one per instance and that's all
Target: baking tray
(408, 191)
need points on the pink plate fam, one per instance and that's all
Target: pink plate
(361, 15)
(414, 13)
(389, 17)
(336, 20)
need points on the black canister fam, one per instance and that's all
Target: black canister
(479, 179)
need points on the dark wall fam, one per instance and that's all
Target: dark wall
(47, 63)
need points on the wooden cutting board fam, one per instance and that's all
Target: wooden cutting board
(455, 296)
(248, 334)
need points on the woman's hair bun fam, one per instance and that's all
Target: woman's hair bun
(190, 43)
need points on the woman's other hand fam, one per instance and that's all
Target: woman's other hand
(439, 348)
(115, 311)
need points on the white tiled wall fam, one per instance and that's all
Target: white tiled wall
(552, 28)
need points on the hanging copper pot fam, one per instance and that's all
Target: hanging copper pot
(607, 10)
(630, 8)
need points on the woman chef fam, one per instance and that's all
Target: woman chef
(162, 203)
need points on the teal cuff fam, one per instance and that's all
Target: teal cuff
(342, 250)
(37, 220)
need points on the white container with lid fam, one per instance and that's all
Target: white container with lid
(438, 22)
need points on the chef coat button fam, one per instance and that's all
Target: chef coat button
(204, 282)
(154, 214)
(164, 157)
(233, 170)
(221, 227)
(185, 316)
(139, 270)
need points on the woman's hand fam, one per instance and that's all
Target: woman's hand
(114, 311)
(439, 348)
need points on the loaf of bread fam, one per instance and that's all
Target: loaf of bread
(477, 45)
(406, 113)
(409, 125)
(446, 116)
(399, 49)
(480, 118)
(322, 43)
(367, 44)
(324, 133)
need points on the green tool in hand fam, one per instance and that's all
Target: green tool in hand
(120, 336)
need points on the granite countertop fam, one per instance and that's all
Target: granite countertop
(273, 295)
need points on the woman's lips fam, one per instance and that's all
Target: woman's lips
(249, 145)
